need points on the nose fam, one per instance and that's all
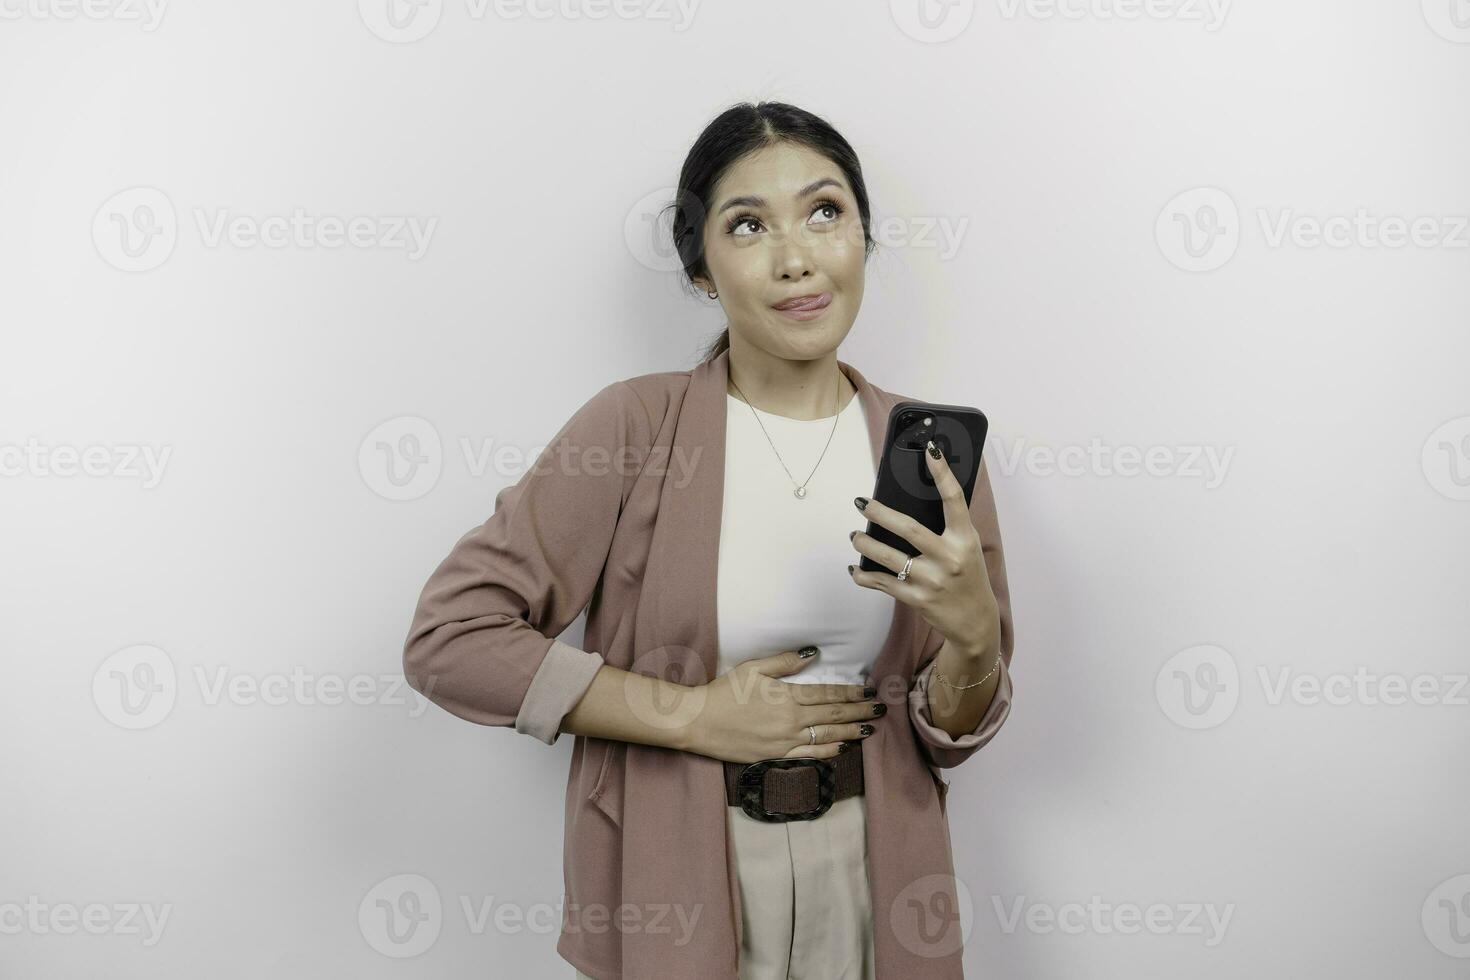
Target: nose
(793, 262)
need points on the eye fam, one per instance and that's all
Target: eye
(827, 205)
(744, 218)
(737, 221)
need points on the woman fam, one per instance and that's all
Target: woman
(701, 513)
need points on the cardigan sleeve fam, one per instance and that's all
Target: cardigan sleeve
(482, 644)
(941, 749)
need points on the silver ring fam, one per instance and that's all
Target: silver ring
(903, 575)
(813, 730)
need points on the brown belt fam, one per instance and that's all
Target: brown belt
(777, 790)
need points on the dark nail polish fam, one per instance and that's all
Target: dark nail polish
(807, 652)
(860, 501)
(870, 692)
(843, 747)
(849, 569)
(866, 729)
(851, 535)
(933, 449)
(880, 709)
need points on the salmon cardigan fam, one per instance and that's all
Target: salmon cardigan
(621, 515)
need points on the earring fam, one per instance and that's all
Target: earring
(713, 294)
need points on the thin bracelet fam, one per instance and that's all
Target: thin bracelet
(940, 677)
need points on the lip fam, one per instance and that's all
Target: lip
(810, 304)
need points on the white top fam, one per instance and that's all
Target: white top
(783, 580)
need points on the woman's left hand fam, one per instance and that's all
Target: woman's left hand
(948, 583)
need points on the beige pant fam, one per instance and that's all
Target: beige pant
(804, 897)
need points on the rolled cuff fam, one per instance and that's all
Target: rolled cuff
(943, 749)
(559, 683)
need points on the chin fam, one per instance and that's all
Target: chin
(810, 344)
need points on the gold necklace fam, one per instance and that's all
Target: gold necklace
(800, 490)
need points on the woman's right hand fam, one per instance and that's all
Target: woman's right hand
(749, 714)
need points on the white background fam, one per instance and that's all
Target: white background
(1051, 143)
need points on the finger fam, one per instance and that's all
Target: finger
(805, 744)
(842, 715)
(822, 750)
(901, 524)
(834, 734)
(884, 554)
(847, 732)
(956, 512)
(883, 582)
(780, 664)
(830, 693)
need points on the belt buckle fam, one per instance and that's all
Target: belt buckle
(752, 789)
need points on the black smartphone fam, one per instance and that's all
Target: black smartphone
(904, 482)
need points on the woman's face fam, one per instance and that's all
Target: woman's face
(785, 225)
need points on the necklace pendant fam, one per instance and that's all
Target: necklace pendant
(800, 493)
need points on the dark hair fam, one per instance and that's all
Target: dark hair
(738, 131)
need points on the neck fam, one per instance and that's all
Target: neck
(803, 390)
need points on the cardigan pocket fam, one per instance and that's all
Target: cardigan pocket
(607, 793)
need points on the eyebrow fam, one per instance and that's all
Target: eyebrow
(756, 201)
